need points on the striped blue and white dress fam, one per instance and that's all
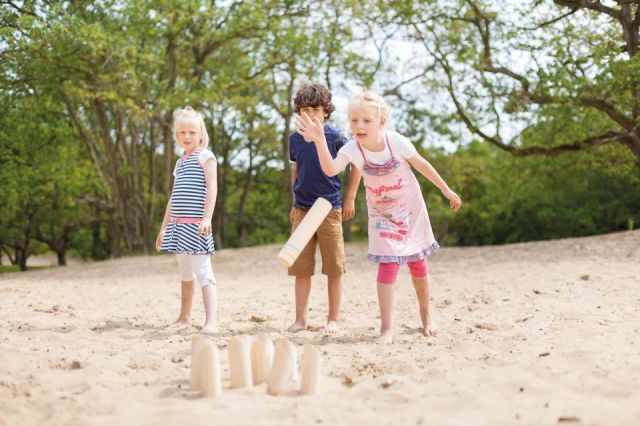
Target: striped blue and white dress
(187, 207)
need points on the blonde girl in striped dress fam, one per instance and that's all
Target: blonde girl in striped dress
(186, 228)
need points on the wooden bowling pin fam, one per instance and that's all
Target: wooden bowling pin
(303, 233)
(210, 379)
(283, 363)
(240, 361)
(197, 342)
(293, 354)
(311, 371)
(261, 358)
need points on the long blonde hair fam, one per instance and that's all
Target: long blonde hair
(189, 115)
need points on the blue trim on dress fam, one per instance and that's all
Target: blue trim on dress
(404, 259)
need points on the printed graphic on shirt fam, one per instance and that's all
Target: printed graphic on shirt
(385, 188)
(392, 216)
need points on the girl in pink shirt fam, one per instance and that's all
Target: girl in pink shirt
(399, 227)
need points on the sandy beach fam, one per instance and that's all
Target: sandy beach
(539, 333)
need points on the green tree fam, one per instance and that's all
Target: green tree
(508, 71)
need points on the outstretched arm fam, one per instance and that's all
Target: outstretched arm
(313, 130)
(420, 164)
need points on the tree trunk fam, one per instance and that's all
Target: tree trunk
(167, 143)
(114, 238)
(635, 147)
(167, 136)
(12, 259)
(223, 187)
(287, 165)
(62, 257)
(241, 224)
(21, 258)
(286, 113)
(96, 244)
(119, 194)
(151, 189)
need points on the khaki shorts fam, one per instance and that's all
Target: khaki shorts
(329, 238)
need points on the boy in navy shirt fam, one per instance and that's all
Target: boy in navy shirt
(309, 183)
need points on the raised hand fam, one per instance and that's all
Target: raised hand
(311, 129)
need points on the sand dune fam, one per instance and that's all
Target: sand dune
(538, 333)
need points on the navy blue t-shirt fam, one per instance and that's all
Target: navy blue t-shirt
(311, 182)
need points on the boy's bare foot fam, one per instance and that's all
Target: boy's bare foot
(386, 337)
(331, 327)
(296, 326)
(210, 329)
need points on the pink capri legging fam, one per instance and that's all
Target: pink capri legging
(388, 272)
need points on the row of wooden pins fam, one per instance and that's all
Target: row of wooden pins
(253, 362)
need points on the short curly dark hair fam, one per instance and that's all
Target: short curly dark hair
(313, 95)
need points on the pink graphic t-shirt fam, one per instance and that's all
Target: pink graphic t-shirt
(399, 226)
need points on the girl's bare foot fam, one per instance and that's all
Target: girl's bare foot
(331, 327)
(296, 326)
(430, 328)
(210, 329)
(386, 337)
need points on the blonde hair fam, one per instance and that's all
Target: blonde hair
(371, 98)
(189, 115)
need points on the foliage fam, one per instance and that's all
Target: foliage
(88, 91)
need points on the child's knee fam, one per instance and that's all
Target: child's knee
(388, 272)
(203, 271)
(418, 268)
(206, 278)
